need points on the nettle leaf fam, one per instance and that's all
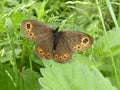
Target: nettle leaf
(72, 76)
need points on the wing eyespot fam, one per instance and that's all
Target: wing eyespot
(28, 30)
(48, 55)
(43, 54)
(66, 56)
(28, 25)
(60, 58)
(56, 57)
(78, 46)
(31, 35)
(85, 40)
(40, 51)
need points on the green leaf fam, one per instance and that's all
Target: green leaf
(28, 80)
(72, 76)
(6, 82)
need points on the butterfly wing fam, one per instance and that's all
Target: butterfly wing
(44, 49)
(62, 52)
(71, 41)
(77, 40)
(35, 30)
(42, 34)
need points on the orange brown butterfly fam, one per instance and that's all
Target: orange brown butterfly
(54, 44)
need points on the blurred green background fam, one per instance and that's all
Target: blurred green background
(97, 68)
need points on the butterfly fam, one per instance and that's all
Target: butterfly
(53, 44)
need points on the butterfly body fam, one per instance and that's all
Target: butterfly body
(54, 44)
(56, 37)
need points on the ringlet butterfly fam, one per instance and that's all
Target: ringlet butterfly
(54, 44)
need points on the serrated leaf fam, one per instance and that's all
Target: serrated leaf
(72, 76)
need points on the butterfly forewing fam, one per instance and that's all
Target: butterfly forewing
(77, 40)
(35, 30)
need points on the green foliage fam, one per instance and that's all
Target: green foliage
(28, 80)
(6, 81)
(72, 76)
(101, 47)
(97, 68)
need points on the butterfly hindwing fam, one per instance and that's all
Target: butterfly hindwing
(44, 49)
(62, 51)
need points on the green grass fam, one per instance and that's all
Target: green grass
(97, 68)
